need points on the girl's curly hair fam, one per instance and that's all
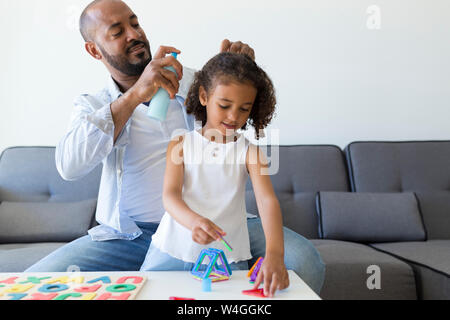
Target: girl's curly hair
(226, 67)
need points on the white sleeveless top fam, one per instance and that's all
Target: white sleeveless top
(215, 177)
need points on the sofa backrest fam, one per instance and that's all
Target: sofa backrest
(29, 174)
(303, 171)
(422, 167)
(36, 204)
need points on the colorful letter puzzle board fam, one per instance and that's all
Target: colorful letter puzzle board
(77, 287)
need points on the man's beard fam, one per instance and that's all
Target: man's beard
(121, 63)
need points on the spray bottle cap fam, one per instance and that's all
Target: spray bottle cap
(175, 55)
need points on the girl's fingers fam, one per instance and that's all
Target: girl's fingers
(285, 282)
(213, 231)
(274, 286)
(203, 238)
(259, 279)
(267, 283)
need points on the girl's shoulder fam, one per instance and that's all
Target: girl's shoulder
(175, 148)
(180, 137)
(177, 139)
(255, 155)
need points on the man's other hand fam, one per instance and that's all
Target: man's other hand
(237, 47)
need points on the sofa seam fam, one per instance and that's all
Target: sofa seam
(411, 261)
(319, 212)
(421, 215)
(350, 168)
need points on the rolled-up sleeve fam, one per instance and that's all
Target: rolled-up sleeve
(88, 141)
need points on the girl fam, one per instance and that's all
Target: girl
(207, 171)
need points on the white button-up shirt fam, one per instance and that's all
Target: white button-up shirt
(133, 167)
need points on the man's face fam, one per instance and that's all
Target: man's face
(120, 38)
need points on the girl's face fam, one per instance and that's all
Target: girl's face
(228, 106)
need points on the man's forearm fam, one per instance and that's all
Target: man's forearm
(121, 111)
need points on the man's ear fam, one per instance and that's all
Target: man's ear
(92, 49)
(203, 96)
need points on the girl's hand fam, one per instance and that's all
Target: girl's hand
(204, 231)
(274, 274)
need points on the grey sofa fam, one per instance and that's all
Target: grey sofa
(39, 211)
(375, 204)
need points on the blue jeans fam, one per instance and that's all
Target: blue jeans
(124, 255)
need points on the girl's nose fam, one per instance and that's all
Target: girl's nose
(232, 116)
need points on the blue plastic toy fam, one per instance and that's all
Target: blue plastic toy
(207, 285)
(217, 269)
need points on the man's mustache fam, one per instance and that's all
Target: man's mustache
(135, 43)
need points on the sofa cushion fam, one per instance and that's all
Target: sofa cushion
(25, 222)
(349, 269)
(18, 257)
(434, 254)
(431, 263)
(369, 217)
(302, 172)
(421, 167)
(29, 174)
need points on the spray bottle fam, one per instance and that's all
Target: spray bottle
(160, 102)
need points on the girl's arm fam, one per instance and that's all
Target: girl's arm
(203, 230)
(273, 271)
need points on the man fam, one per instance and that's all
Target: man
(112, 128)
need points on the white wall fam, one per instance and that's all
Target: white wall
(337, 80)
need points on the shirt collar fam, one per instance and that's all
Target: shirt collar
(113, 89)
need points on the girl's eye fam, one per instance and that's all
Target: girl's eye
(224, 107)
(244, 110)
(136, 26)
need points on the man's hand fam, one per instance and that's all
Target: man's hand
(237, 47)
(155, 76)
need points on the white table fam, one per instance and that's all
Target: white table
(163, 285)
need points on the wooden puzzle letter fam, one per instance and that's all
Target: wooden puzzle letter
(121, 288)
(136, 280)
(68, 295)
(40, 296)
(88, 289)
(10, 280)
(17, 296)
(50, 288)
(34, 280)
(89, 296)
(104, 279)
(107, 296)
(19, 288)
